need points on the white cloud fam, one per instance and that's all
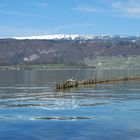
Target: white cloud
(88, 8)
(130, 9)
(119, 8)
(133, 10)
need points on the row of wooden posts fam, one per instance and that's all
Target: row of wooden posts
(75, 83)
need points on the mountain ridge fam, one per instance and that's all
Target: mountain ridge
(71, 37)
(65, 49)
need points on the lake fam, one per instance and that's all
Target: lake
(31, 110)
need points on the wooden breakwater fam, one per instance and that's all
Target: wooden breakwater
(75, 83)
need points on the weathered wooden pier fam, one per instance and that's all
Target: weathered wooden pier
(75, 83)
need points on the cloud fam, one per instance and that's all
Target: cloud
(20, 13)
(119, 8)
(88, 8)
(130, 9)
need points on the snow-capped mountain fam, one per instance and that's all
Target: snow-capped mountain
(66, 49)
(50, 37)
(66, 37)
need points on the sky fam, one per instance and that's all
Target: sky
(41, 17)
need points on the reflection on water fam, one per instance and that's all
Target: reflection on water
(31, 78)
(107, 111)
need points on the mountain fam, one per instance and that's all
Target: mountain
(66, 49)
(70, 37)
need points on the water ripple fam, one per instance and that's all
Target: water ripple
(63, 118)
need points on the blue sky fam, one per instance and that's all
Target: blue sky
(40, 17)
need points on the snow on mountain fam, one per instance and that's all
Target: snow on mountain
(50, 37)
(63, 36)
(70, 37)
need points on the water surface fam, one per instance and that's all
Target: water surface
(31, 109)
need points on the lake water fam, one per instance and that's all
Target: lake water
(31, 110)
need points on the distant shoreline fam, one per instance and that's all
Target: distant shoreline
(41, 67)
(58, 67)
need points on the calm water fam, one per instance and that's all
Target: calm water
(31, 110)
